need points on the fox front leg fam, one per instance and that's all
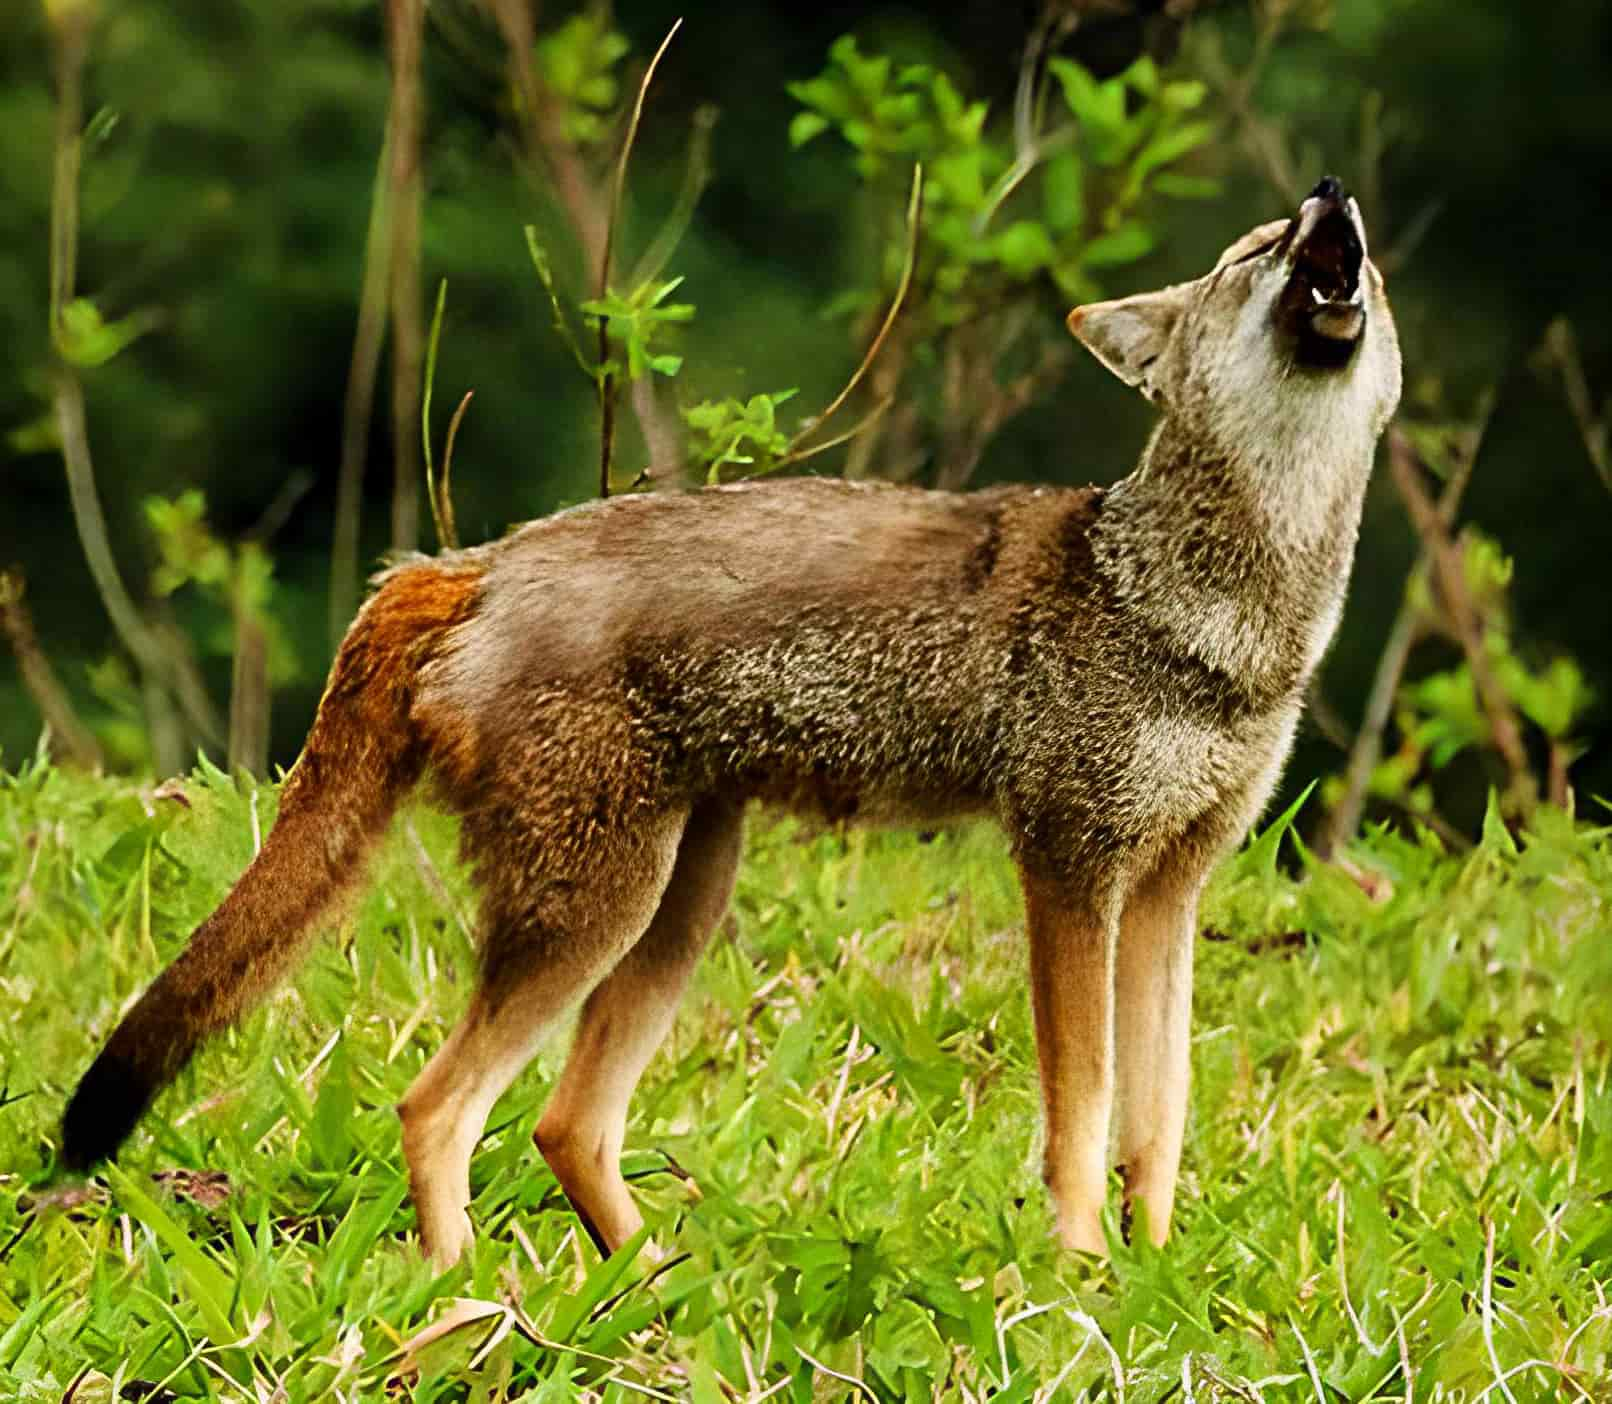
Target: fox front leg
(1153, 1027)
(1072, 944)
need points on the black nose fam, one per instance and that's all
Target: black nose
(1329, 188)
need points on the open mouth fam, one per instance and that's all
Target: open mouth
(1322, 305)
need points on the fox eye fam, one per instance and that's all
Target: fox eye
(1262, 250)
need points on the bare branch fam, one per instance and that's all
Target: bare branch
(1561, 349)
(249, 692)
(1262, 140)
(1448, 573)
(450, 526)
(796, 448)
(548, 147)
(71, 740)
(172, 667)
(978, 405)
(405, 25)
(618, 185)
(1402, 638)
(359, 404)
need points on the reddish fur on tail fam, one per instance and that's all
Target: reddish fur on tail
(361, 759)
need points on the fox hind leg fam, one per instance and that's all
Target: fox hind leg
(541, 955)
(624, 1021)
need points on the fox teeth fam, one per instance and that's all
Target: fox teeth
(1318, 296)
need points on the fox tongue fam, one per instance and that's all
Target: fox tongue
(1338, 321)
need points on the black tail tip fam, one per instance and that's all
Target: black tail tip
(103, 1111)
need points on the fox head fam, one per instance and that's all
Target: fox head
(1284, 350)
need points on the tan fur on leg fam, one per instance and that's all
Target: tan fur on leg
(1071, 989)
(444, 1112)
(1153, 1015)
(625, 1020)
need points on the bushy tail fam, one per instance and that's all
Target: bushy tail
(361, 759)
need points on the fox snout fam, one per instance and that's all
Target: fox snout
(1323, 305)
(1329, 188)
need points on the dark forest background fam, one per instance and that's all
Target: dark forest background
(230, 152)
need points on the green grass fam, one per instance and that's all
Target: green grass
(1398, 1175)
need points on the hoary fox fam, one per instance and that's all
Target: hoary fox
(1113, 675)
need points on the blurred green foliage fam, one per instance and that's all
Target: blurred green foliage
(229, 161)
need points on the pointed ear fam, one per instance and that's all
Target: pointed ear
(1130, 334)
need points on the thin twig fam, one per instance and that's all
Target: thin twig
(1487, 1309)
(249, 681)
(1261, 139)
(71, 740)
(171, 667)
(359, 403)
(405, 26)
(1561, 346)
(281, 505)
(548, 146)
(1030, 145)
(619, 183)
(433, 343)
(855, 431)
(450, 525)
(696, 176)
(914, 212)
(818, 1365)
(1403, 636)
(607, 378)
(1448, 572)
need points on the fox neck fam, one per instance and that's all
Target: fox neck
(1241, 559)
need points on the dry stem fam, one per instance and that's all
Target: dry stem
(1402, 638)
(1448, 573)
(584, 201)
(249, 693)
(405, 24)
(359, 404)
(1561, 347)
(168, 665)
(71, 740)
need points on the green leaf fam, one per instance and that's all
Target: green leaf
(21, 1331)
(1099, 108)
(1183, 96)
(806, 125)
(1143, 75)
(1185, 187)
(1260, 855)
(87, 341)
(206, 1282)
(1080, 90)
(1126, 244)
(545, 275)
(37, 436)
(575, 1307)
(827, 95)
(1024, 248)
(330, 1130)
(1496, 836)
(1063, 192)
(1170, 145)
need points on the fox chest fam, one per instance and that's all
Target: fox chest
(1180, 771)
